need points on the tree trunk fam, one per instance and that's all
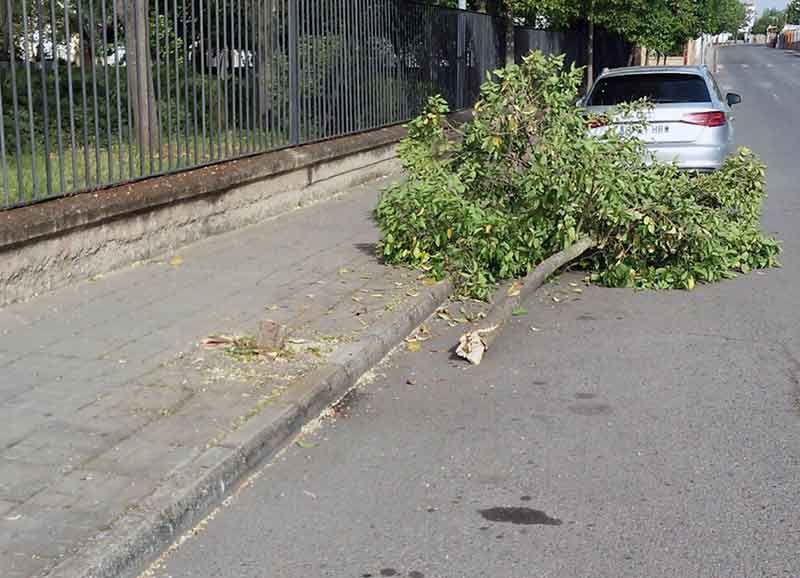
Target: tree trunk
(140, 78)
(590, 52)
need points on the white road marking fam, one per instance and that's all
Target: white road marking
(745, 65)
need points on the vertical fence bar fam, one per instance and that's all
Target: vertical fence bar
(236, 33)
(303, 67)
(386, 61)
(403, 64)
(137, 27)
(372, 68)
(178, 110)
(259, 80)
(128, 100)
(26, 52)
(235, 84)
(376, 72)
(227, 55)
(158, 27)
(95, 110)
(45, 107)
(277, 87)
(338, 13)
(248, 74)
(357, 32)
(15, 103)
(316, 53)
(168, 75)
(347, 63)
(187, 142)
(294, 74)
(59, 132)
(193, 64)
(3, 161)
(106, 93)
(217, 60)
(152, 112)
(248, 92)
(205, 12)
(461, 55)
(318, 76)
(115, 23)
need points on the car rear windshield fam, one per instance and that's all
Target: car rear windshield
(658, 88)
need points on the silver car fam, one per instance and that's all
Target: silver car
(691, 123)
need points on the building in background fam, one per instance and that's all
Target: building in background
(750, 20)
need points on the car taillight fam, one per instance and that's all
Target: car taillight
(713, 118)
(598, 121)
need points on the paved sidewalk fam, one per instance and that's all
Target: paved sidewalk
(103, 387)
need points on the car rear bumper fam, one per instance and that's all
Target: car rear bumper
(690, 156)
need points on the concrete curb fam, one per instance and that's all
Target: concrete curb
(201, 483)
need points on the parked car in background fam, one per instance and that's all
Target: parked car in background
(691, 123)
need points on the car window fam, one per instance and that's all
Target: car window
(659, 88)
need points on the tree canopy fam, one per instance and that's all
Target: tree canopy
(793, 12)
(770, 17)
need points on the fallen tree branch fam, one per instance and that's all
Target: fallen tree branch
(473, 345)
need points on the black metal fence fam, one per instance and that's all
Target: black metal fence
(97, 92)
(610, 50)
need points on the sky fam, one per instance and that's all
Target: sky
(762, 4)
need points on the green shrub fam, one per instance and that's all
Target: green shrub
(527, 179)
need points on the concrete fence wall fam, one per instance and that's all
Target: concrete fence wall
(52, 244)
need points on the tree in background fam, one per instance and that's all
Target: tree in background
(770, 17)
(793, 12)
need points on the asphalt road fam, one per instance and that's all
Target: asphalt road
(627, 435)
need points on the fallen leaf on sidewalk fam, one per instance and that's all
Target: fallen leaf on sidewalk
(421, 334)
(306, 445)
(515, 289)
(176, 261)
(519, 311)
(344, 271)
(414, 346)
(577, 290)
(429, 281)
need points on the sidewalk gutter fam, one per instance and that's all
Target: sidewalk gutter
(197, 486)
